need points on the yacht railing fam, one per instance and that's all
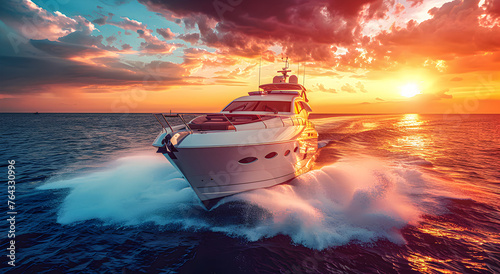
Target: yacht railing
(162, 119)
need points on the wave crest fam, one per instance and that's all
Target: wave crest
(358, 200)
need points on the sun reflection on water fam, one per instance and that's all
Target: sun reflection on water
(410, 121)
(424, 142)
(414, 140)
(444, 230)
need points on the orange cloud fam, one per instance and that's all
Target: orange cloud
(217, 51)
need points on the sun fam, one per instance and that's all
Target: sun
(410, 90)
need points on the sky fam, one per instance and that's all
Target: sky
(359, 56)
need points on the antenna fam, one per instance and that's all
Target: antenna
(298, 68)
(260, 65)
(304, 78)
(285, 70)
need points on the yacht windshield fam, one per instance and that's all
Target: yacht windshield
(270, 106)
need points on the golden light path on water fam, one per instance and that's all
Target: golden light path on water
(423, 143)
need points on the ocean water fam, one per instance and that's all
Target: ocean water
(388, 194)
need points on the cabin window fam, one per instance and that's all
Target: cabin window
(269, 106)
(274, 106)
(247, 160)
(271, 155)
(287, 152)
(241, 106)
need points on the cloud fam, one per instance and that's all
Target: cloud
(321, 87)
(454, 31)
(247, 28)
(68, 50)
(84, 39)
(33, 22)
(353, 89)
(348, 88)
(442, 94)
(399, 8)
(191, 38)
(427, 97)
(331, 32)
(361, 87)
(62, 52)
(111, 40)
(166, 33)
(68, 55)
(100, 21)
(41, 74)
(415, 3)
(126, 47)
(350, 39)
(128, 24)
(197, 58)
(493, 7)
(152, 45)
(121, 2)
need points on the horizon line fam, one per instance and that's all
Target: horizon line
(322, 113)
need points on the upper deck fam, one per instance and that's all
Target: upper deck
(281, 103)
(268, 97)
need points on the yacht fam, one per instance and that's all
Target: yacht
(256, 141)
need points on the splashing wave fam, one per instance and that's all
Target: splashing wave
(360, 200)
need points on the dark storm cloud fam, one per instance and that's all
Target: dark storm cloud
(44, 65)
(250, 27)
(35, 74)
(68, 55)
(65, 50)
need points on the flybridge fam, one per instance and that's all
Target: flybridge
(286, 92)
(281, 86)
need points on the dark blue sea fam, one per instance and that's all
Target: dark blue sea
(388, 194)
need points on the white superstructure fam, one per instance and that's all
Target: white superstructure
(256, 141)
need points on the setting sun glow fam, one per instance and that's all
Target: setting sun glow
(410, 90)
(405, 56)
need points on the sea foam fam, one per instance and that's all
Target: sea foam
(359, 200)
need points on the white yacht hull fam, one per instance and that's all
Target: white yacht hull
(215, 172)
(256, 141)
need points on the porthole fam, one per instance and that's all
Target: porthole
(247, 160)
(271, 155)
(287, 152)
(296, 149)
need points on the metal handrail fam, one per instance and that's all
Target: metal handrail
(229, 121)
(295, 120)
(184, 121)
(260, 119)
(159, 121)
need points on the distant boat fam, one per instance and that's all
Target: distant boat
(36, 113)
(257, 141)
